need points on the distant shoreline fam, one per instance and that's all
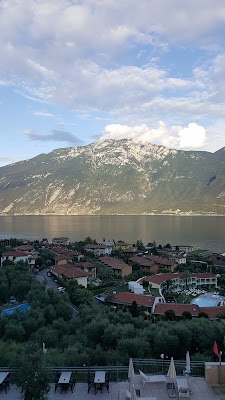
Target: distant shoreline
(111, 215)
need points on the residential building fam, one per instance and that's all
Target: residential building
(71, 272)
(15, 256)
(178, 309)
(169, 264)
(129, 252)
(75, 255)
(98, 249)
(60, 241)
(178, 282)
(119, 268)
(181, 247)
(126, 298)
(61, 259)
(88, 267)
(120, 245)
(145, 264)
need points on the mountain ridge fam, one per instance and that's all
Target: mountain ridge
(115, 177)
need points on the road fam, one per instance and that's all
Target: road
(50, 283)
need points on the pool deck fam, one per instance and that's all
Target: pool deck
(208, 299)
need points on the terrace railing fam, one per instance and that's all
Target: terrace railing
(120, 373)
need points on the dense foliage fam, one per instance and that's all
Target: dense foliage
(98, 335)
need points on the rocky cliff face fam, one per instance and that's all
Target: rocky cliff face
(115, 177)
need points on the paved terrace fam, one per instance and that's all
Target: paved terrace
(117, 391)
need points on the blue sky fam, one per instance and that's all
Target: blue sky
(72, 72)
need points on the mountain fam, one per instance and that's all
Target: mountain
(115, 177)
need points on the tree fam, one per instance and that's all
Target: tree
(134, 309)
(170, 315)
(203, 315)
(186, 315)
(31, 376)
(186, 275)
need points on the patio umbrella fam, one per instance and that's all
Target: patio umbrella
(172, 372)
(133, 393)
(131, 374)
(188, 363)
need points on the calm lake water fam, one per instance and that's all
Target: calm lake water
(199, 231)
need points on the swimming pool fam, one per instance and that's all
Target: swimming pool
(21, 308)
(204, 302)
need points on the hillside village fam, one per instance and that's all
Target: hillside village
(159, 281)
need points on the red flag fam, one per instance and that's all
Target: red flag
(215, 349)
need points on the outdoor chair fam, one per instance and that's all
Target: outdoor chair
(91, 383)
(3, 386)
(57, 385)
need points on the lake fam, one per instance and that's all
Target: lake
(206, 232)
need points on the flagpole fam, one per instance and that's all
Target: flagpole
(220, 368)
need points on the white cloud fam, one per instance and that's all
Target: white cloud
(43, 114)
(192, 137)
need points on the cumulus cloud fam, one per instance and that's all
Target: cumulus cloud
(54, 136)
(192, 136)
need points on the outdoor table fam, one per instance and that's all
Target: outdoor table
(64, 379)
(3, 375)
(99, 380)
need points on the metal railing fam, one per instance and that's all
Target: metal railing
(154, 366)
(120, 373)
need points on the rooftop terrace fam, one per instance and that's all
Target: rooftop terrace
(117, 391)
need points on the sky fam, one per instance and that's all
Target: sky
(76, 71)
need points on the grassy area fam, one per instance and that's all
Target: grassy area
(123, 288)
(196, 252)
(154, 292)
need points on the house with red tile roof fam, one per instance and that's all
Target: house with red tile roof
(62, 259)
(126, 298)
(119, 267)
(169, 264)
(161, 308)
(88, 267)
(15, 256)
(121, 245)
(179, 283)
(213, 312)
(145, 265)
(98, 249)
(67, 252)
(130, 251)
(71, 272)
(25, 247)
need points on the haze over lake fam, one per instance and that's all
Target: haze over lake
(199, 231)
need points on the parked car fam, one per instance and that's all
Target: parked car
(61, 289)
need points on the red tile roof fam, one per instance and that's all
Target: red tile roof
(95, 246)
(15, 254)
(130, 250)
(178, 309)
(160, 260)
(142, 261)
(64, 251)
(159, 278)
(213, 312)
(24, 247)
(85, 264)
(70, 271)
(128, 298)
(62, 257)
(113, 263)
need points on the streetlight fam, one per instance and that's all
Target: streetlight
(162, 358)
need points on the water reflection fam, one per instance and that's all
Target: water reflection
(199, 231)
